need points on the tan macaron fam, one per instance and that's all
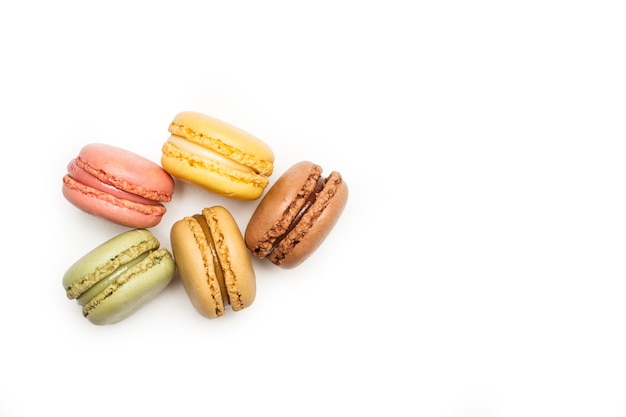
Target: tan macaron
(213, 262)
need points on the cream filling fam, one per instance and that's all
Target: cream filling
(217, 265)
(310, 200)
(206, 153)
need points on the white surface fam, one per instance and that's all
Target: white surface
(478, 269)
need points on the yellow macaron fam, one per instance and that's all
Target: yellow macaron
(217, 156)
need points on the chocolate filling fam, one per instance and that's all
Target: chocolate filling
(217, 266)
(310, 199)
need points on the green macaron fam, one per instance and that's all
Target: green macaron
(120, 276)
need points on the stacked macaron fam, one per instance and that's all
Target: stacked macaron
(118, 277)
(296, 214)
(212, 256)
(118, 185)
(217, 156)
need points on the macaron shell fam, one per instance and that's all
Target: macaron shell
(239, 274)
(315, 225)
(211, 175)
(144, 282)
(127, 171)
(120, 211)
(83, 177)
(192, 256)
(224, 139)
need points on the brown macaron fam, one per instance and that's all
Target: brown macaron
(213, 262)
(296, 215)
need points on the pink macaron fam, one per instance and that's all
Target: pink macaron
(118, 185)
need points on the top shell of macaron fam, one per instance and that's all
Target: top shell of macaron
(126, 171)
(225, 139)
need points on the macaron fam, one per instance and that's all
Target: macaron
(296, 215)
(118, 277)
(217, 156)
(213, 262)
(118, 185)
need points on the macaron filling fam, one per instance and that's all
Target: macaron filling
(309, 201)
(217, 266)
(133, 269)
(76, 171)
(92, 292)
(75, 288)
(206, 153)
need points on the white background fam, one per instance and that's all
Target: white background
(478, 269)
